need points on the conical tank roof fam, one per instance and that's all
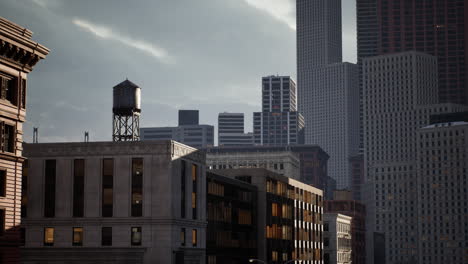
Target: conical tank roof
(126, 84)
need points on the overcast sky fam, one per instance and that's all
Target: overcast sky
(184, 54)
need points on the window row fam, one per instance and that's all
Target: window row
(78, 235)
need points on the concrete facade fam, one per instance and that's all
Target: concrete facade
(337, 238)
(282, 162)
(168, 221)
(328, 89)
(400, 95)
(18, 55)
(442, 188)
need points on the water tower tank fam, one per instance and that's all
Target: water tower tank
(127, 98)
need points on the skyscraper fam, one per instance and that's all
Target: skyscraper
(436, 27)
(231, 130)
(279, 123)
(400, 94)
(328, 88)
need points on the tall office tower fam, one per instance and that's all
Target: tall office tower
(279, 123)
(188, 117)
(328, 89)
(18, 56)
(442, 189)
(400, 92)
(231, 130)
(436, 27)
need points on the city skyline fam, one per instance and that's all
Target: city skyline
(98, 43)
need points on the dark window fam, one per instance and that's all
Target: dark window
(194, 191)
(24, 190)
(3, 183)
(137, 187)
(8, 89)
(106, 236)
(107, 187)
(77, 236)
(8, 138)
(136, 236)
(49, 192)
(78, 187)
(182, 189)
(23, 94)
(49, 236)
(2, 222)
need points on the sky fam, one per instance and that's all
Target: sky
(184, 54)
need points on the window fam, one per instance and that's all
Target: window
(78, 187)
(49, 188)
(137, 187)
(325, 227)
(77, 236)
(48, 236)
(182, 236)
(7, 137)
(3, 183)
(106, 236)
(194, 237)
(194, 191)
(136, 236)
(24, 190)
(107, 187)
(8, 89)
(182, 189)
(2, 222)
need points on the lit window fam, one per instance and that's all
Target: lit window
(136, 236)
(77, 236)
(194, 237)
(49, 236)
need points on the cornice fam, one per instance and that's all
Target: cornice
(16, 47)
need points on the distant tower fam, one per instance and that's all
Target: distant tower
(126, 112)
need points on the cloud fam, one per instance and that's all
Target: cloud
(282, 10)
(107, 33)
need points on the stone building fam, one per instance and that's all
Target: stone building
(18, 55)
(337, 238)
(115, 202)
(289, 216)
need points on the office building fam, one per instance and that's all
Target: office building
(289, 216)
(328, 89)
(307, 163)
(18, 56)
(343, 203)
(197, 136)
(357, 175)
(231, 236)
(279, 123)
(400, 95)
(115, 202)
(442, 189)
(231, 130)
(188, 117)
(436, 27)
(337, 238)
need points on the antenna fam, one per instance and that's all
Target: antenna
(35, 135)
(86, 136)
